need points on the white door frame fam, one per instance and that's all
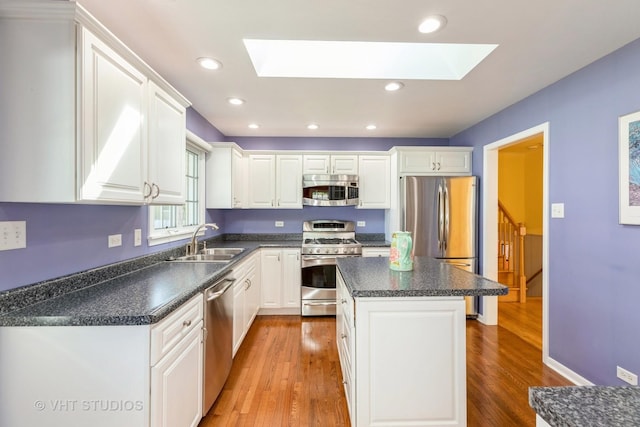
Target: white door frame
(490, 225)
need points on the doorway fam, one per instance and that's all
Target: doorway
(490, 227)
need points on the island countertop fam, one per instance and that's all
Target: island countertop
(372, 277)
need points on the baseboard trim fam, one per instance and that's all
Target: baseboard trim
(566, 372)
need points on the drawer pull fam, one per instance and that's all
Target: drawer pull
(343, 336)
(186, 323)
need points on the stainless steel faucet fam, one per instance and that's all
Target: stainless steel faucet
(192, 247)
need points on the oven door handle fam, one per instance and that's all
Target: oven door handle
(311, 261)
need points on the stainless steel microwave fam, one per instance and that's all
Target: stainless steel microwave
(329, 190)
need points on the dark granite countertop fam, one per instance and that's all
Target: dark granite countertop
(371, 277)
(136, 292)
(586, 406)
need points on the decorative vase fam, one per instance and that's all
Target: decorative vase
(400, 258)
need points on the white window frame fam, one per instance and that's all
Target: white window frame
(158, 237)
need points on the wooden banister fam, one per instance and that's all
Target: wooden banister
(511, 250)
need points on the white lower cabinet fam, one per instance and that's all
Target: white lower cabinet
(176, 384)
(403, 360)
(280, 283)
(176, 377)
(246, 298)
(104, 376)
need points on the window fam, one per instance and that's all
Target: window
(169, 223)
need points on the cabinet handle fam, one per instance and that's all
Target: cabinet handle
(343, 301)
(345, 382)
(146, 185)
(278, 203)
(433, 166)
(272, 203)
(157, 190)
(248, 283)
(343, 336)
(438, 165)
(186, 323)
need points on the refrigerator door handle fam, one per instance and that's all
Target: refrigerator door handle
(445, 228)
(440, 208)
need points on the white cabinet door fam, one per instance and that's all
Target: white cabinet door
(375, 182)
(271, 272)
(289, 181)
(291, 278)
(113, 140)
(453, 161)
(344, 164)
(394, 385)
(261, 171)
(316, 163)
(252, 294)
(167, 133)
(280, 283)
(225, 178)
(238, 314)
(238, 180)
(176, 384)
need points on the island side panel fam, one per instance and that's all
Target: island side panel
(410, 361)
(61, 376)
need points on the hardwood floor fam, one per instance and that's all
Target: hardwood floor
(287, 373)
(524, 320)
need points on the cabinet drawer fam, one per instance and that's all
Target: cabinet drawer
(166, 334)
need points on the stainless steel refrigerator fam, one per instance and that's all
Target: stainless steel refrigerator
(441, 213)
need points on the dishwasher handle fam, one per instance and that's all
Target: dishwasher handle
(213, 294)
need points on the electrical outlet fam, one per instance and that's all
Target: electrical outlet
(361, 224)
(115, 240)
(137, 237)
(279, 223)
(13, 235)
(626, 376)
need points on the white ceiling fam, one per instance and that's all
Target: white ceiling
(539, 42)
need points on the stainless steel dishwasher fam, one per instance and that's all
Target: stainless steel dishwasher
(218, 341)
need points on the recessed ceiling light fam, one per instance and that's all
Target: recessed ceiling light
(393, 86)
(372, 127)
(235, 101)
(253, 126)
(209, 63)
(312, 126)
(432, 24)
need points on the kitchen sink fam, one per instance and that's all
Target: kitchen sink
(212, 255)
(221, 251)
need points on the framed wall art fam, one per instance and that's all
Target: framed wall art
(629, 168)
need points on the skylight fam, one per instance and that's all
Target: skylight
(364, 60)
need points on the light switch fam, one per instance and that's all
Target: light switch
(557, 210)
(279, 223)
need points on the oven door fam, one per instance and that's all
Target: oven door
(318, 292)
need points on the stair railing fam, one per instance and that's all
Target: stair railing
(511, 249)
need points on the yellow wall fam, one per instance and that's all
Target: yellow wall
(520, 186)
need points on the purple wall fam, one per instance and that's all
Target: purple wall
(335, 144)
(263, 220)
(594, 268)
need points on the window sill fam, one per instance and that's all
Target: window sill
(167, 236)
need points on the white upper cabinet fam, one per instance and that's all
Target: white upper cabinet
(274, 181)
(97, 125)
(289, 181)
(343, 164)
(435, 160)
(167, 144)
(225, 177)
(375, 182)
(113, 136)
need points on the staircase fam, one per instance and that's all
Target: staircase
(511, 256)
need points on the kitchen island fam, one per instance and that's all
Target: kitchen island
(402, 340)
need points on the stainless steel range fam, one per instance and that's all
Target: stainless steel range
(323, 242)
